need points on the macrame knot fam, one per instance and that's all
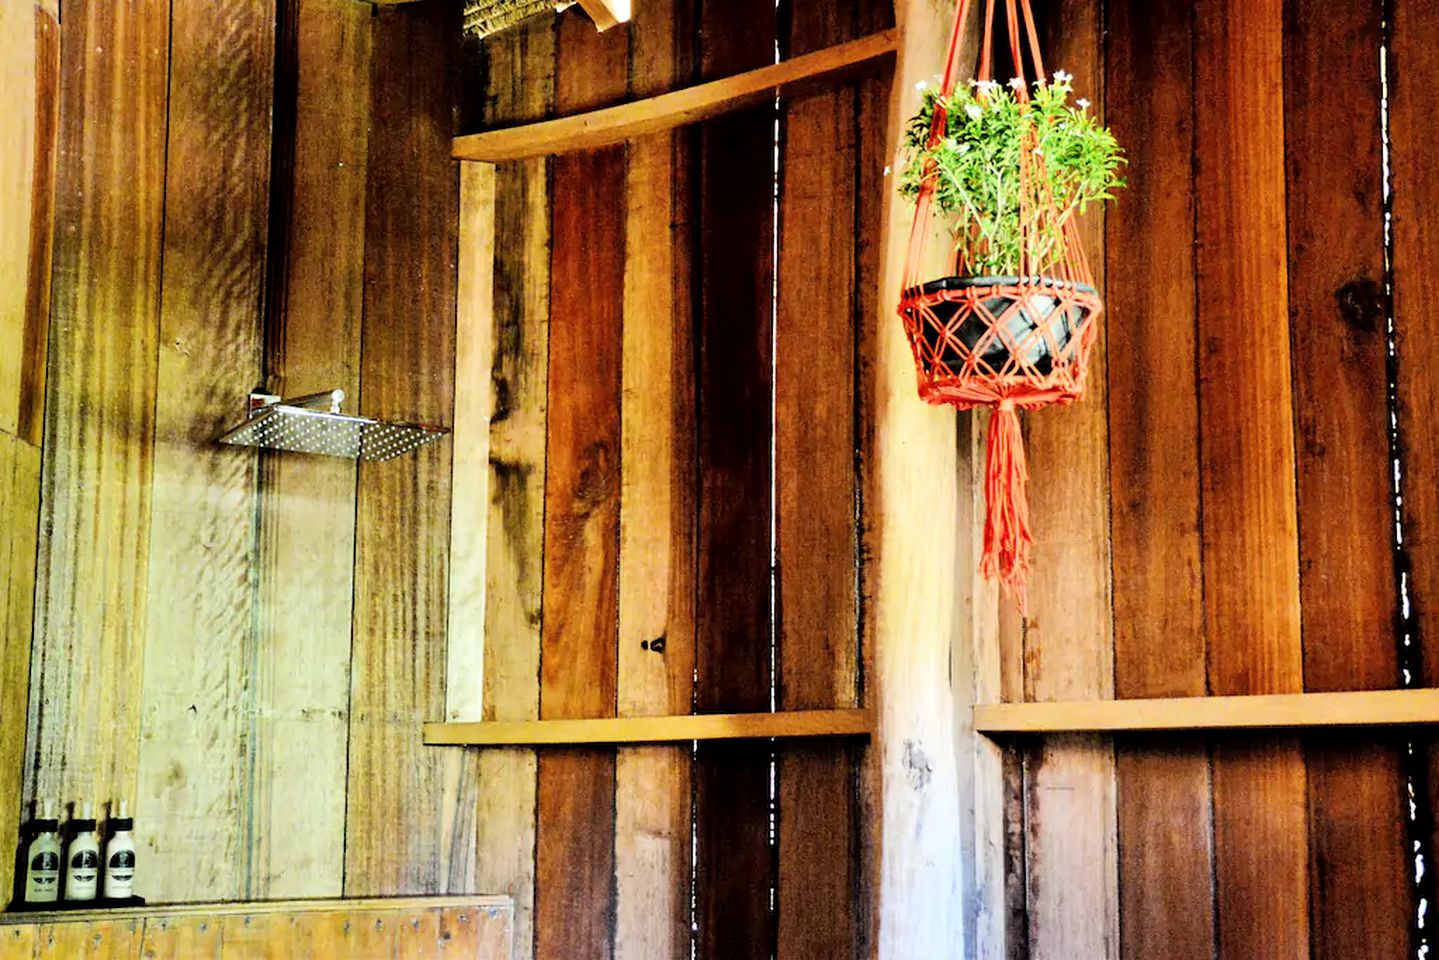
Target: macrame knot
(1008, 543)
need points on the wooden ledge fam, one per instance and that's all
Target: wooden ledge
(715, 726)
(249, 908)
(610, 125)
(1367, 708)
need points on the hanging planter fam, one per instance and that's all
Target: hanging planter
(1005, 169)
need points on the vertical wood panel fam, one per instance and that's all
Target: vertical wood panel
(1251, 593)
(470, 480)
(95, 526)
(816, 545)
(397, 802)
(1072, 871)
(657, 554)
(1164, 810)
(1337, 306)
(734, 413)
(307, 504)
(19, 60)
(1414, 165)
(521, 65)
(194, 721)
(574, 888)
(33, 344)
(19, 519)
(913, 586)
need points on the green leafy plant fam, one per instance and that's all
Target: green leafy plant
(1072, 161)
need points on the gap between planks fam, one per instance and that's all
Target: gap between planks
(1363, 708)
(675, 729)
(611, 125)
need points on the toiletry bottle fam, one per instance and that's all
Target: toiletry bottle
(120, 856)
(42, 858)
(82, 857)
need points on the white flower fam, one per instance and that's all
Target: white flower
(1016, 83)
(973, 110)
(921, 85)
(987, 86)
(951, 144)
(1038, 152)
(1082, 103)
(1061, 76)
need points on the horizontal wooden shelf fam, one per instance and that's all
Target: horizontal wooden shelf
(713, 726)
(1365, 708)
(260, 907)
(610, 125)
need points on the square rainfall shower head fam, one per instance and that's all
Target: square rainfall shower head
(298, 426)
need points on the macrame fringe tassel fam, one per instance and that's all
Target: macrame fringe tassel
(1008, 543)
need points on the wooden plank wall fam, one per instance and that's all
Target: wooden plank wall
(242, 645)
(642, 368)
(29, 63)
(1237, 455)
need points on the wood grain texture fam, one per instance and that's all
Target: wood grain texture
(19, 528)
(575, 808)
(477, 928)
(1360, 884)
(197, 681)
(608, 126)
(18, 70)
(734, 280)
(1165, 841)
(914, 591)
(1166, 850)
(1247, 456)
(757, 725)
(657, 511)
(519, 85)
(470, 476)
(816, 535)
(307, 504)
(1415, 164)
(1071, 832)
(95, 528)
(1413, 69)
(399, 809)
(26, 330)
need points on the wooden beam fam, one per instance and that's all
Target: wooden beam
(607, 13)
(611, 125)
(1365, 708)
(714, 726)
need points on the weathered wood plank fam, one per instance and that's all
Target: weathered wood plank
(1414, 158)
(19, 528)
(914, 591)
(18, 69)
(1068, 641)
(1360, 885)
(519, 85)
(1247, 456)
(397, 802)
(31, 62)
(657, 510)
(1166, 875)
(195, 725)
(574, 905)
(733, 410)
(816, 536)
(95, 526)
(307, 504)
(470, 480)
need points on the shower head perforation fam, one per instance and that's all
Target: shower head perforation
(314, 424)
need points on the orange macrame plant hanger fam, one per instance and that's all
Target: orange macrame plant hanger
(1012, 343)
